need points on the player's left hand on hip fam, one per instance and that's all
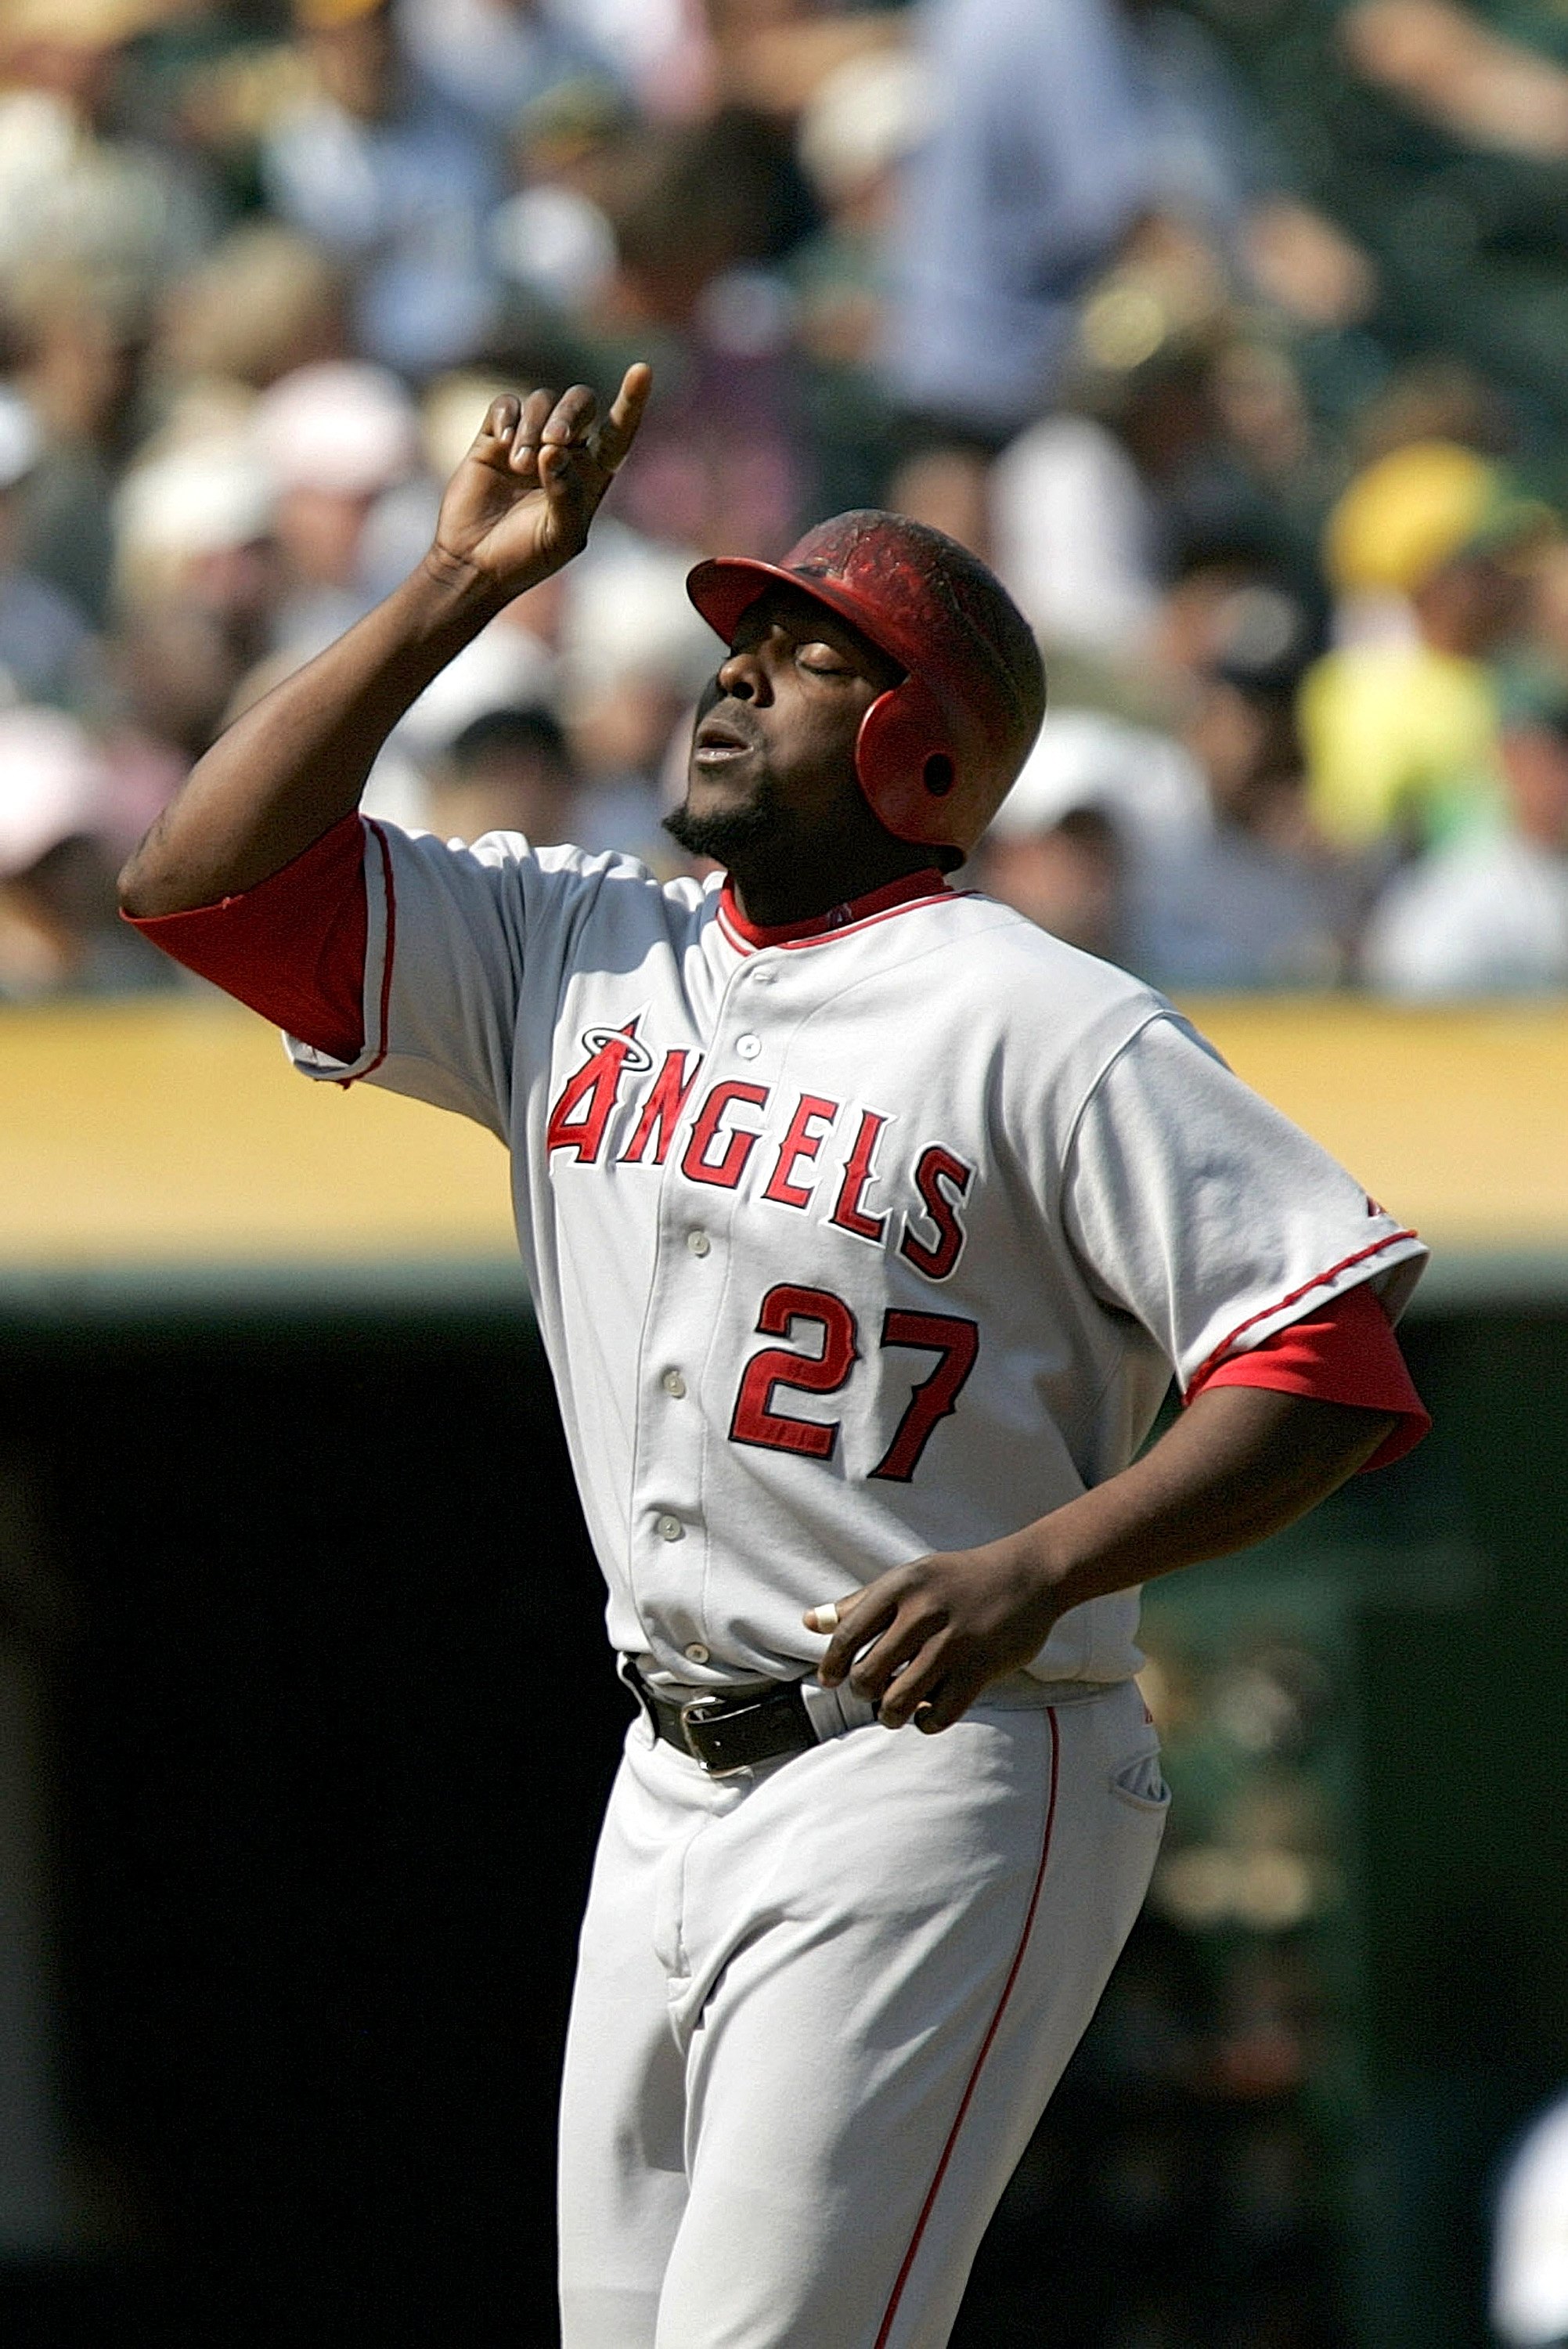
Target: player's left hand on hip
(922, 1639)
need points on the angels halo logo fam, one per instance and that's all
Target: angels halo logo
(634, 1054)
(582, 1109)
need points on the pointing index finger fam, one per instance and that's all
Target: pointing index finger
(619, 430)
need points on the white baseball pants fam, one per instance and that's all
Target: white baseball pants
(820, 2009)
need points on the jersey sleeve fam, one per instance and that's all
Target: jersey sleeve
(293, 947)
(399, 958)
(380, 953)
(1197, 1208)
(1345, 1351)
(445, 925)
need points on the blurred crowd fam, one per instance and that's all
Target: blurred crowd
(1234, 332)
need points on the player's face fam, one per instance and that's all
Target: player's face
(774, 743)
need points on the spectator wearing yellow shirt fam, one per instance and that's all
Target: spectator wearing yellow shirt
(1427, 551)
(1487, 914)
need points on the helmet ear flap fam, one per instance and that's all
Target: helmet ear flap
(907, 762)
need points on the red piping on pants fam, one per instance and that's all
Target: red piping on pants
(927, 2207)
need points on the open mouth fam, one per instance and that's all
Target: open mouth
(718, 742)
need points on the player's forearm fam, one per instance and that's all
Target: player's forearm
(1240, 1464)
(518, 507)
(287, 769)
(924, 1640)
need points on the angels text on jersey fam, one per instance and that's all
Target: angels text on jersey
(820, 1155)
(811, 1154)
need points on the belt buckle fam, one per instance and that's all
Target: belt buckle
(694, 1714)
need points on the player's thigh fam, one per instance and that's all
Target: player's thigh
(1111, 1815)
(871, 2062)
(621, 2177)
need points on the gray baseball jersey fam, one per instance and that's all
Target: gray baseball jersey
(845, 1246)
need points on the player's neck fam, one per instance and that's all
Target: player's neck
(770, 899)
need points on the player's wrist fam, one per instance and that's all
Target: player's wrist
(464, 590)
(1015, 1588)
(1045, 1561)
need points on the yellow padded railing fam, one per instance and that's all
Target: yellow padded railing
(174, 1133)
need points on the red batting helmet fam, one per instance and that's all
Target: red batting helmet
(936, 754)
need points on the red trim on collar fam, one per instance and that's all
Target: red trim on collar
(912, 889)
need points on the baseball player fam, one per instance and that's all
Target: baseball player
(866, 1226)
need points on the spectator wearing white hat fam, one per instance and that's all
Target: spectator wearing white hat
(47, 649)
(59, 929)
(190, 521)
(1099, 808)
(632, 666)
(335, 442)
(1190, 860)
(196, 586)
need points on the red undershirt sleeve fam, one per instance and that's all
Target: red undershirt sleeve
(1345, 1353)
(293, 947)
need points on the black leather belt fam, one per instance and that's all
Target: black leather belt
(728, 1730)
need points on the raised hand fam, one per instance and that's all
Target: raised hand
(519, 504)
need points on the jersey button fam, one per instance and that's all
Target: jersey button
(698, 1243)
(670, 1528)
(747, 1048)
(696, 1653)
(673, 1384)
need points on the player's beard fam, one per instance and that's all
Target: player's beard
(756, 833)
